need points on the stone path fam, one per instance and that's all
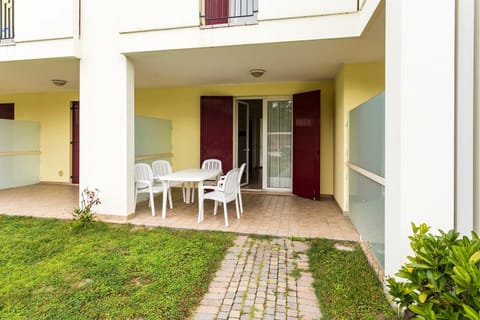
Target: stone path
(262, 279)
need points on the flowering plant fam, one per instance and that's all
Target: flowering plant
(84, 214)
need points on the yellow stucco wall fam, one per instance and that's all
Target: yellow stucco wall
(182, 107)
(354, 84)
(52, 110)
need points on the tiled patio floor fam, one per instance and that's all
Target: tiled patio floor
(269, 214)
(255, 279)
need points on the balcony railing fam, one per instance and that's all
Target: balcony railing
(6, 20)
(217, 12)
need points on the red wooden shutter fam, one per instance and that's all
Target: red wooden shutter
(306, 144)
(216, 11)
(216, 130)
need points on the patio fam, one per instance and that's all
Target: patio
(264, 213)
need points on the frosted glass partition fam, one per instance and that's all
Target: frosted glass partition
(367, 172)
(367, 212)
(367, 135)
(153, 139)
(19, 153)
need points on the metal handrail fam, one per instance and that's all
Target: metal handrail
(7, 19)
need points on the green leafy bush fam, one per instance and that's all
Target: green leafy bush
(441, 279)
(84, 215)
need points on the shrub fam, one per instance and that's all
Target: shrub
(442, 278)
(84, 215)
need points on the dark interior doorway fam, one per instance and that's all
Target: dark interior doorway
(249, 141)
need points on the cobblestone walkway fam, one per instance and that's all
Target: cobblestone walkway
(262, 279)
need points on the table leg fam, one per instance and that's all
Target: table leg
(200, 201)
(165, 196)
(187, 189)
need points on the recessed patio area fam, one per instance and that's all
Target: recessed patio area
(264, 213)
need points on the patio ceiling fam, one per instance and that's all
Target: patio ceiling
(284, 62)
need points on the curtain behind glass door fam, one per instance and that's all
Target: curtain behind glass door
(279, 144)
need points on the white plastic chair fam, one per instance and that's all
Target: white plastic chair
(144, 183)
(161, 168)
(224, 193)
(209, 164)
(239, 194)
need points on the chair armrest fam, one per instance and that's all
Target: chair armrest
(214, 188)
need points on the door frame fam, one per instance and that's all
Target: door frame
(74, 157)
(235, 130)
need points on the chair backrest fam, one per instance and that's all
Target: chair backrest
(231, 182)
(143, 175)
(161, 168)
(240, 174)
(212, 164)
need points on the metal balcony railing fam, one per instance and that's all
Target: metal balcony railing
(6, 20)
(229, 12)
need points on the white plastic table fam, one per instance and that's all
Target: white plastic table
(188, 175)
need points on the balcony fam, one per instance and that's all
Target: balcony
(6, 20)
(228, 12)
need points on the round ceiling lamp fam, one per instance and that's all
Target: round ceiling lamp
(256, 72)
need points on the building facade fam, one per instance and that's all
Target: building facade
(120, 59)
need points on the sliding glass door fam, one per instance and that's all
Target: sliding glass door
(278, 139)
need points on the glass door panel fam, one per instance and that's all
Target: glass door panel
(279, 144)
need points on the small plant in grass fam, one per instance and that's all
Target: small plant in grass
(441, 279)
(84, 215)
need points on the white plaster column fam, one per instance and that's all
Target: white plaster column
(420, 99)
(464, 116)
(106, 111)
(477, 118)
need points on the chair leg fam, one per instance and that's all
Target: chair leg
(170, 197)
(215, 208)
(236, 208)
(136, 196)
(226, 214)
(152, 204)
(183, 192)
(240, 201)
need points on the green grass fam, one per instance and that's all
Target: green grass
(49, 271)
(345, 284)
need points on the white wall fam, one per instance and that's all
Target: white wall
(477, 120)
(279, 9)
(268, 31)
(42, 20)
(44, 29)
(420, 90)
(142, 15)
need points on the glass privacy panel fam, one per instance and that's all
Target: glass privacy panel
(153, 136)
(367, 207)
(279, 144)
(19, 153)
(367, 135)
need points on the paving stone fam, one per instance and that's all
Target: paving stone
(255, 282)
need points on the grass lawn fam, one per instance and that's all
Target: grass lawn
(49, 271)
(345, 284)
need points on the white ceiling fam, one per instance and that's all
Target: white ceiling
(283, 62)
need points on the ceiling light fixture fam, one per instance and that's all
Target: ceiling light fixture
(59, 82)
(256, 72)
